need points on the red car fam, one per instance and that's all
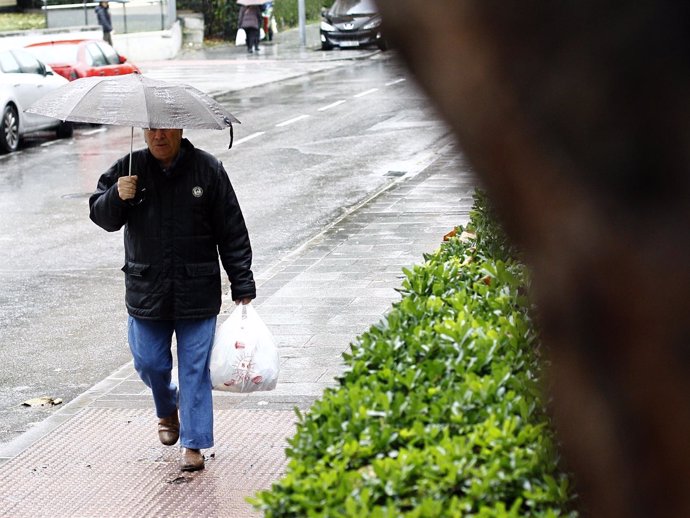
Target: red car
(82, 58)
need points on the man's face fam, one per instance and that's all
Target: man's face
(164, 144)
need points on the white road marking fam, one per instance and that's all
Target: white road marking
(366, 93)
(391, 83)
(248, 137)
(332, 105)
(290, 121)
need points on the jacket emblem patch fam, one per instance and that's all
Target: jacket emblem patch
(197, 192)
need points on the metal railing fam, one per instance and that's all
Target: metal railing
(126, 15)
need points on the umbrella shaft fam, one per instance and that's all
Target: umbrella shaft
(131, 145)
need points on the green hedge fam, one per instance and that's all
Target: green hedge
(285, 11)
(220, 16)
(439, 413)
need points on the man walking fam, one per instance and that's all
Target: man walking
(180, 213)
(103, 17)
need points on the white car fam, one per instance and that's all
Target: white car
(23, 80)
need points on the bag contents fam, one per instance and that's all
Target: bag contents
(244, 357)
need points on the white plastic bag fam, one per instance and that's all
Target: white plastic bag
(244, 357)
(240, 37)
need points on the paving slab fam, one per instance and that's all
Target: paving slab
(107, 462)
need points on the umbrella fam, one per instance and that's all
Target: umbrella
(252, 2)
(134, 100)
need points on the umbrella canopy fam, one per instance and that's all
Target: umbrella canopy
(136, 101)
(251, 2)
(133, 100)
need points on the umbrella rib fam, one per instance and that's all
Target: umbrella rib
(86, 93)
(146, 101)
(228, 120)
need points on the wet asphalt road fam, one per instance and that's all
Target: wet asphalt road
(308, 150)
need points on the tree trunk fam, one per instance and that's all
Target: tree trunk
(576, 118)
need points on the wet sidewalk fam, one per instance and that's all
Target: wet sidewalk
(99, 456)
(224, 67)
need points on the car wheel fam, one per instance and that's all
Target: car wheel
(326, 46)
(9, 130)
(65, 130)
(382, 45)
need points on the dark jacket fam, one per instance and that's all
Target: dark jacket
(174, 232)
(103, 16)
(249, 17)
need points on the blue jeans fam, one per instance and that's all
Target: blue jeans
(150, 342)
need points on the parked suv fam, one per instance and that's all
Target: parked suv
(23, 80)
(351, 23)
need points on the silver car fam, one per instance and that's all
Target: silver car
(351, 23)
(23, 80)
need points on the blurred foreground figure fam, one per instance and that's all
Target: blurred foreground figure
(576, 117)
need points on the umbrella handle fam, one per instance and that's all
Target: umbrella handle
(131, 144)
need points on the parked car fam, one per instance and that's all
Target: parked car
(23, 80)
(73, 59)
(351, 23)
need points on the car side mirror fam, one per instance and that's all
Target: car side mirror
(122, 60)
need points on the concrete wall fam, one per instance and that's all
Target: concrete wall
(150, 46)
(136, 46)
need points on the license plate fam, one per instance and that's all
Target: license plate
(349, 43)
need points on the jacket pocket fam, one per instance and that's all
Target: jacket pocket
(202, 269)
(135, 269)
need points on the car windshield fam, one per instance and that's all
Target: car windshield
(63, 53)
(343, 7)
(28, 63)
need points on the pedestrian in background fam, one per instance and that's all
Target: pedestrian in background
(250, 19)
(103, 16)
(180, 213)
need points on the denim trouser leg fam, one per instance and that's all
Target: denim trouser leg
(194, 343)
(150, 342)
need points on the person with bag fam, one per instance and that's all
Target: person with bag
(180, 214)
(250, 19)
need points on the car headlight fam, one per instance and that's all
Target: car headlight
(325, 26)
(375, 22)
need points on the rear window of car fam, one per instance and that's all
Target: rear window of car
(62, 53)
(342, 7)
(95, 56)
(110, 55)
